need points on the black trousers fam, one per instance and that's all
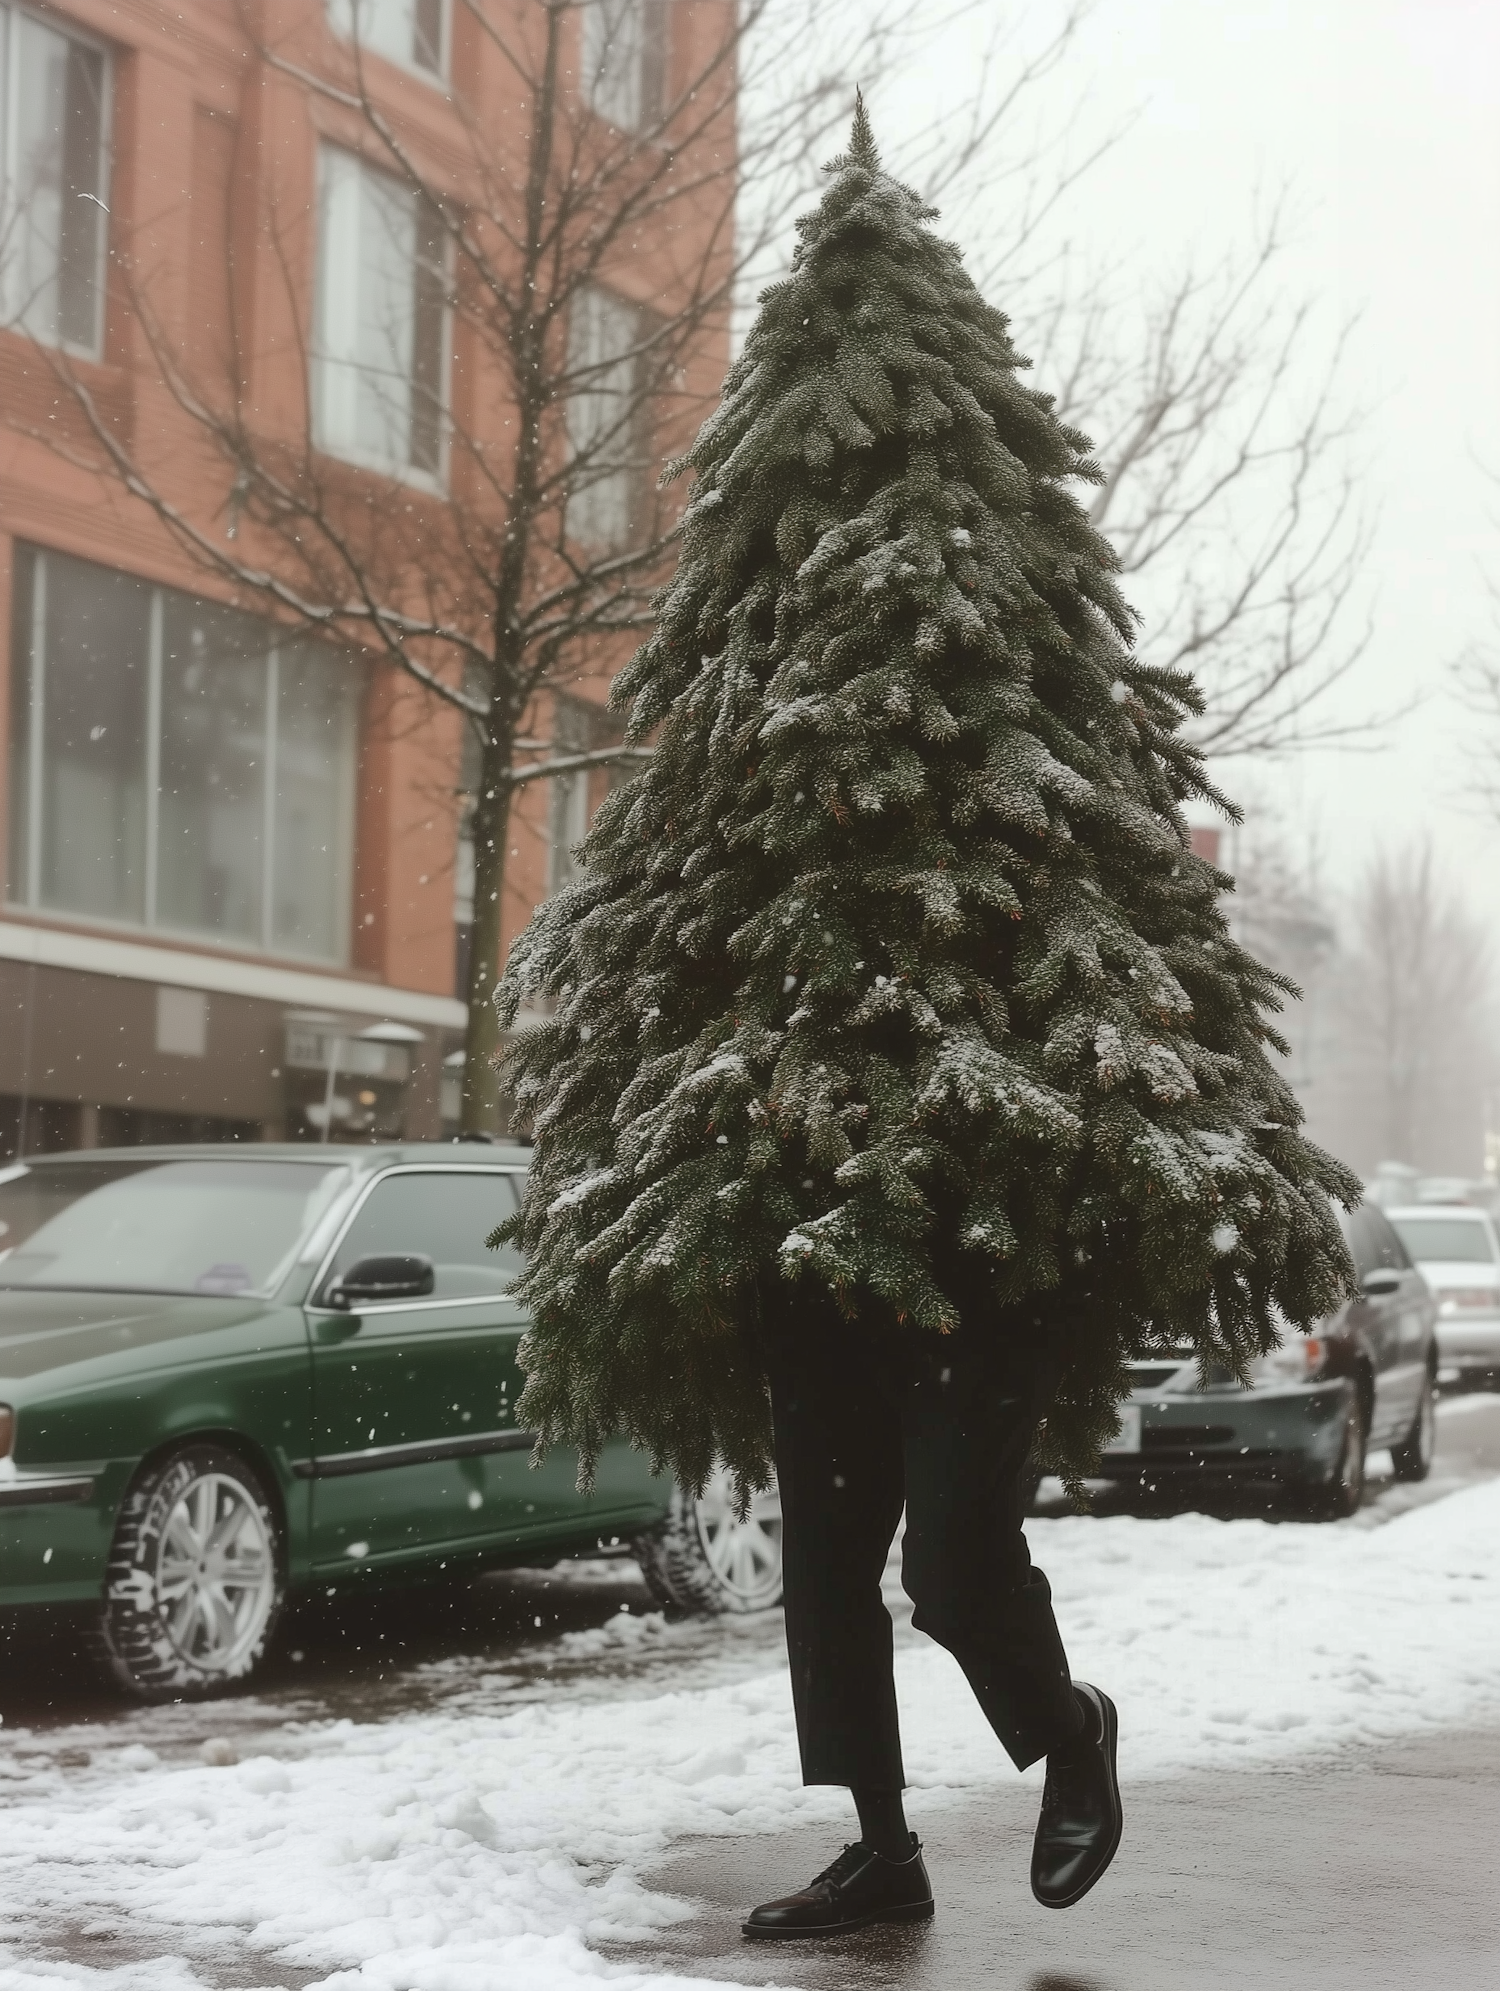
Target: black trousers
(865, 1424)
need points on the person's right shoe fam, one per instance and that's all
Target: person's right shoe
(861, 1887)
(1078, 1833)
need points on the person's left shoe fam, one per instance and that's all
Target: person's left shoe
(1078, 1833)
(862, 1886)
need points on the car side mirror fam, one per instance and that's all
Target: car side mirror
(1380, 1281)
(404, 1275)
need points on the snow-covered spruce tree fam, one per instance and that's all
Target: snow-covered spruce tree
(893, 981)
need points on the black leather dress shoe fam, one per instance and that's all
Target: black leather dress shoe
(1078, 1833)
(861, 1886)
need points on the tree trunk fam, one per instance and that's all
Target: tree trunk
(481, 1082)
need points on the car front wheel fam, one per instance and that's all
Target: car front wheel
(702, 1559)
(195, 1581)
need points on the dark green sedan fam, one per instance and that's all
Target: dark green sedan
(228, 1374)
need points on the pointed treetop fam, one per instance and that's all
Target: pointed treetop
(861, 139)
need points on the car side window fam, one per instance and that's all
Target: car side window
(1387, 1247)
(446, 1217)
(1361, 1241)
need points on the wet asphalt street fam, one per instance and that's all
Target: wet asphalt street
(1377, 1873)
(530, 1633)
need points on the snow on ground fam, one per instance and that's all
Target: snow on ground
(478, 1847)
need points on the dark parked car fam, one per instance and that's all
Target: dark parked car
(1365, 1378)
(228, 1374)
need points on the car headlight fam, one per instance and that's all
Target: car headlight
(1299, 1358)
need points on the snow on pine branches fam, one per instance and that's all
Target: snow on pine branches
(894, 977)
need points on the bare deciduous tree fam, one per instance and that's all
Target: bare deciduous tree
(522, 562)
(1476, 675)
(1230, 489)
(1412, 1013)
(522, 555)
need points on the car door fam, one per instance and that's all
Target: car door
(1391, 1323)
(1411, 1369)
(416, 1446)
(413, 1400)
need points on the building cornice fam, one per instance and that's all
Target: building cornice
(88, 953)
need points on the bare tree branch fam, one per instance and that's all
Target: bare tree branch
(494, 593)
(1229, 487)
(489, 588)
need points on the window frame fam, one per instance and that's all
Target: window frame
(435, 482)
(32, 900)
(436, 79)
(11, 12)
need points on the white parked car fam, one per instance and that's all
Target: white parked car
(1456, 1250)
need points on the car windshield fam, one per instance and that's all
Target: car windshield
(1465, 1239)
(190, 1226)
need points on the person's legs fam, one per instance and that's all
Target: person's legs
(969, 1416)
(858, 1425)
(838, 1466)
(882, 1820)
(838, 1469)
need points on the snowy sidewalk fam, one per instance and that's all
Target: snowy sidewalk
(1377, 1873)
(497, 1848)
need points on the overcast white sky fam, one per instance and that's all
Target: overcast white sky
(1383, 116)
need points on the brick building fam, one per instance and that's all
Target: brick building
(234, 873)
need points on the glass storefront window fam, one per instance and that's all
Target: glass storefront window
(211, 797)
(177, 765)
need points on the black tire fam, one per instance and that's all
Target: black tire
(1341, 1493)
(1412, 1458)
(700, 1561)
(196, 1577)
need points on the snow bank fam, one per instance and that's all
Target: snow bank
(488, 1847)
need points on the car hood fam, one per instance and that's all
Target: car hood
(40, 1331)
(1440, 1272)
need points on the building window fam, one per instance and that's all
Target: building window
(177, 765)
(470, 765)
(624, 60)
(54, 140)
(608, 426)
(579, 728)
(411, 32)
(380, 356)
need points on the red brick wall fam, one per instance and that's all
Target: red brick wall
(211, 211)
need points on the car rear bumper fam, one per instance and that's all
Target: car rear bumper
(1469, 1344)
(1290, 1432)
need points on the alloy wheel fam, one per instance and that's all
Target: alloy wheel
(745, 1556)
(215, 1573)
